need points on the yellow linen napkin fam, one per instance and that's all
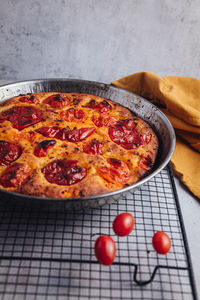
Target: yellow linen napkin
(179, 99)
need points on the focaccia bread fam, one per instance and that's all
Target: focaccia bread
(63, 145)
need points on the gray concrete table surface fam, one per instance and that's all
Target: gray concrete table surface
(190, 208)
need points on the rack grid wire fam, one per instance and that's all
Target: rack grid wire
(49, 254)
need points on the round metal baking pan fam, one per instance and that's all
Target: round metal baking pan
(141, 107)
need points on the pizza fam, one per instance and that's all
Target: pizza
(66, 145)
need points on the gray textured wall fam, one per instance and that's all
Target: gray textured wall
(98, 39)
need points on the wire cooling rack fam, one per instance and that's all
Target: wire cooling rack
(48, 254)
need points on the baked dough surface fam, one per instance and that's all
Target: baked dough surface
(135, 163)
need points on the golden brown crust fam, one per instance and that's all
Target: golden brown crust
(93, 183)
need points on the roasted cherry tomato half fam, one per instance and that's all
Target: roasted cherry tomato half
(105, 250)
(93, 147)
(21, 116)
(161, 242)
(15, 175)
(118, 172)
(57, 101)
(29, 99)
(64, 172)
(123, 224)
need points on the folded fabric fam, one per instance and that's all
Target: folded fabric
(179, 99)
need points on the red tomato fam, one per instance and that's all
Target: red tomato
(119, 171)
(64, 172)
(15, 175)
(125, 134)
(29, 99)
(21, 116)
(123, 224)
(105, 250)
(72, 115)
(43, 147)
(161, 242)
(57, 101)
(93, 147)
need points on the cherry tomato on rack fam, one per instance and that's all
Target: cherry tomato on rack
(105, 250)
(123, 224)
(161, 242)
